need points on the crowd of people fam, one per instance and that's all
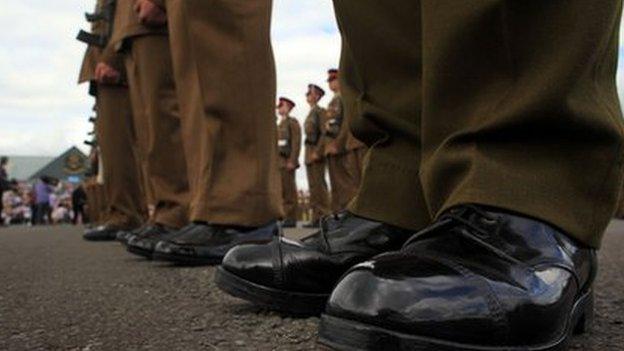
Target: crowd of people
(44, 201)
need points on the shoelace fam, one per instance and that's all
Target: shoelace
(340, 218)
(470, 230)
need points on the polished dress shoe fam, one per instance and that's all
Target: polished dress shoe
(124, 235)
(477, 279)
(312, 225)
(296, 277)
(102, 233)
(289, 223)
(204, 244)
(144, 243)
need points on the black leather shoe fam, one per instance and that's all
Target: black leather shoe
(124, 235)
(313, 225)
(475, 280)
(101, 233)
(297, 277)
(144, 243)
(289, 223)
(204, 244)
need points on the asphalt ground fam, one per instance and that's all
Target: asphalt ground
(58, 292)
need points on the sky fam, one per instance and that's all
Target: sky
(43, 111)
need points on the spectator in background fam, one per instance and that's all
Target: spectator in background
(43, 189)
(4, 183)
(79, 199)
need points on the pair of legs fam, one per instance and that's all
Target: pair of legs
(344, 185)
(126, 206)
(157, 118)
(491, 102)
(290, 196)
(319, 195)
(220, 54)
(124, 202)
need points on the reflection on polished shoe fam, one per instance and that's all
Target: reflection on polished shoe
(144, 243)
(477, 279)
(204, 244)
(297, 277)
(105, 232)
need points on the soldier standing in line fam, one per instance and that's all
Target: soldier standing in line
(314, 156)
(145, 44)
(289, 145)
(221, 51)
(125, 203)
(343, 183)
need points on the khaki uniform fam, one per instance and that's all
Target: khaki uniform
(344, 181)
(124, 199)
(156, 113)
(289, 145)
(225, 77)
(500, 103)
(315, 168)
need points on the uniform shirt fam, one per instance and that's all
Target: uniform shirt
(127, 25)
(335, 120)
(95, 55)
(289, 132)
(314, 126)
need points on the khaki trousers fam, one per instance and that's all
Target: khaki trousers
(126, 203)
(157, 116)
(92, 205)
(290, 196)
(225, 77)
(355, 164)
(319, 195)
(344, 185)
(504, 103)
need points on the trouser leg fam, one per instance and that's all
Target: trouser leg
(289, 194)
(225, 75)
(381, 79)
(319, 194)
(156, 111)
(116, 141)
(343, 185)
(521, 111)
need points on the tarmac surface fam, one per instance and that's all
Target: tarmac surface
(58, 292)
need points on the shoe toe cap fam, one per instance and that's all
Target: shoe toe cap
(252, 262)
(419, 297)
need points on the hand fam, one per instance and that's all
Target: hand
(332, 149)
(290, 165)
(315, 157)
(149, 13)
(106, 74)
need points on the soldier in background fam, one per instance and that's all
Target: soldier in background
(125, 202)
(289, 145)
(344, 181)
(145, 46)
(314, 155)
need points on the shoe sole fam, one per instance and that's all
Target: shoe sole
(186, 260)
(99, 239)
(292, 303)
(140, 251)
(347, 335)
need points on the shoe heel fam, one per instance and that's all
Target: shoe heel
(586, 320)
